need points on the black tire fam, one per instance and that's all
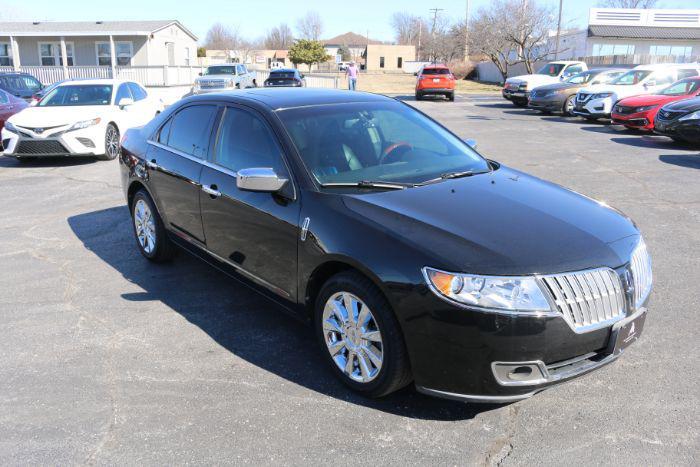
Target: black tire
(419, 96)
(591, 119)
(565, 107)
(110, 154)
(395, 371)
(164, 247)
(678, 140)
(451, 97)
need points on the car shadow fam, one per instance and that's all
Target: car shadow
(682, 160)
(239, 319)
(12, 163)
(658, 142)
(500, 105)
(427, 98)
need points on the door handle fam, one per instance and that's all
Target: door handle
(211, 191)
(152, 164)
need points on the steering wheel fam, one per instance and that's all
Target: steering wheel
(393, 148)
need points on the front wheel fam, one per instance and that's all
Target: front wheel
(419, 96)
(111, 143)
(360, 336)
(568, 109)
(151, 237)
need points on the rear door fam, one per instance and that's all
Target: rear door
(174, 164)
(254, 232)
(144, 108)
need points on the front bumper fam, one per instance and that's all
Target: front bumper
(639, 121)
(434, 91)
(522, 96)
(688, 130)
(547, 104)
(594, 108)
(86, 142)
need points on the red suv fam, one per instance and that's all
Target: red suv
(639, 112)
(435, 79)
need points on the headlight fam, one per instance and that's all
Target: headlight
(645, 108)
(522, 86)
(84, 124)
(10, 127)
(640, 264)
(494, 293)
(602, 95)
(694, 116)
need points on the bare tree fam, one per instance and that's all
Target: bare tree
(310, 26)
(528, 28)
(486, 37)
(279, 37)
(220, 37)
(628, 3)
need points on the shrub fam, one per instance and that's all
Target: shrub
(462, 69)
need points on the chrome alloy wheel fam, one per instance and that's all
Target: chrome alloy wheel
(569, 106)
(145, 226)
(112, 142)
(352, 336)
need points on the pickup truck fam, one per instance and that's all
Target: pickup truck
(517, 89)
(224, 78)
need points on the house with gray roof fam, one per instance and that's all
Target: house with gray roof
(96, 44)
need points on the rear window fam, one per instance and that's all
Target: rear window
(436, 71)
(76, 95)
(287, 74)
(20, 83)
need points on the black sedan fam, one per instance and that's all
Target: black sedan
(680, 121)
(414, 258)
(285, 77)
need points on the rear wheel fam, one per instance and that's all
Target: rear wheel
(568, 108)
(151, 237)
(360, 336)
(450, 96)
(419, 96)
(111, 143)
(678, 140)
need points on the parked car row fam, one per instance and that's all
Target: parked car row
(663, 98)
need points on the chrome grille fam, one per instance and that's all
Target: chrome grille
(212, 83)
(588, 299)
(640, 266)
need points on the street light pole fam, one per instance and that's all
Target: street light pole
(556, 51)
(466, 34)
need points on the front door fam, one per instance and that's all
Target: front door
(174, 168)
(254, 232)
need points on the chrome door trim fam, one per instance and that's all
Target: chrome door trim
(210, 191)
(305, 229)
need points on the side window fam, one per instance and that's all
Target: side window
(190, 130)
(663, 78)
(123, 92)
(243, 69)
(245, 141)
(137, 91)
(164, 132)
(573, 69)
(3, 98)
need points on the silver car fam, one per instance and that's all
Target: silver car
(224, 77)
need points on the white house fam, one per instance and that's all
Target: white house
(96, 43)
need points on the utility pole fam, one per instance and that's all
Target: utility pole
(466, 34)
(432, 46)
(420, 32)
(556, 51)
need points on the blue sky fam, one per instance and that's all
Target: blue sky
(253, 17)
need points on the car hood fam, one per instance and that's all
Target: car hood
(619, 91)
(34, 117)
(206, 77)
(533, 80)
(502, 223)
(689, 105)
(560, 86)
(650, 99)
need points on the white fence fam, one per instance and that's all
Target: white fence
(151, 76)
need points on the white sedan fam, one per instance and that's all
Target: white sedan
(79, 118)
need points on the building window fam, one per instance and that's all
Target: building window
(674, 50)
(187, 56)
(381, 62)
(5, 54)
(399, 63)
(124, 51)
(612, 49)
(50, 54)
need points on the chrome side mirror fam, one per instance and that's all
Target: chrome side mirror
(471, 143)
(260, 179)
(125, 102)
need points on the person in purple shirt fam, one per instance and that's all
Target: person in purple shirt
(351, 73)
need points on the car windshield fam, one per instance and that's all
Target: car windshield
(282, 74)
(682, 88)
(386, 142)
(436, 71)
(631, 77)
(551, 69)
(84, 94)
(220, 70)
(580, 78)
(20, 83)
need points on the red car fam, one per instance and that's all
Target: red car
(9, 105)
(435, 79)
(639, 112)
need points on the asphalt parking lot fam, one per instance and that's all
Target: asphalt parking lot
(107, 359)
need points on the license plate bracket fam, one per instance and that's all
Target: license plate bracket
(627, 331)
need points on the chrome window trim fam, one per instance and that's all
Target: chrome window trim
(474, 398)
(192, 158)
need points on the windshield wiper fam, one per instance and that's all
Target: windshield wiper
(450, 175)
(368, 184)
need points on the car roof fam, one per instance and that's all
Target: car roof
(435, 65)
(95, 81)
(661, 66)
(15, 73)
(278, 99)
(283, 70)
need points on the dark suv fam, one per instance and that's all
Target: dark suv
(415, 258)
(22, 85)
